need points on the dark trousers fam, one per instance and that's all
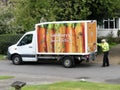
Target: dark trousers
(106, 59)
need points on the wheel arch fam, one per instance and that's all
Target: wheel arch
(70, 56)
(14, 55)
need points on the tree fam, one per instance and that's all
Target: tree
(29, 12)
(70, 9)
(84, 9)
(117, 8)
(101, 9)
(5, 18)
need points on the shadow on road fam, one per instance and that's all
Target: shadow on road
(113, 81)
(56, 63)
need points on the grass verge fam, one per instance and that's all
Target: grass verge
(73, 86)
(2, 57)
(113, 44)
(6, 77)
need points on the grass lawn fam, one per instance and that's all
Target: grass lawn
(113, 44)
(73, 86)
(6, 77)
(2, 57)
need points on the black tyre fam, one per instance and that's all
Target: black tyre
(68, 62)
(16, 59)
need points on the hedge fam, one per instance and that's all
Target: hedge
(6, 40)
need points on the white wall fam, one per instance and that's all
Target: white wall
(119, 24)
(105, 32)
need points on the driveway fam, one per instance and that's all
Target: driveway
(43, 73)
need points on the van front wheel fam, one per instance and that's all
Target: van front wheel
(16, 59)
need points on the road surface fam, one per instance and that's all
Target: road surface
(43, 73)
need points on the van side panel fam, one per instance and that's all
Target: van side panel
(41, 34)
(61, 37)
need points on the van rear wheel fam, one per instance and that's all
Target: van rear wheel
(16, 59)
(68, 62)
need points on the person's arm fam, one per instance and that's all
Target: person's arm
(99, 44)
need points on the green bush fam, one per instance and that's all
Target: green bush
(117, 40)
(6, 40)
(118, 33)
(110, 40)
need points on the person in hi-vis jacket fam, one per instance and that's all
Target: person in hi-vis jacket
(105, 48)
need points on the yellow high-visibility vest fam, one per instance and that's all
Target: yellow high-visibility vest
(104, 46)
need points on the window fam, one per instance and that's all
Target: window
(26, 40)
(110, 23)
(105, 24)
(116, 22)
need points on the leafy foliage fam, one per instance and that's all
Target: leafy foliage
(5, 19)
(20, 16)
(118, 33)
(117, 8)
(101, 9)
(71, 9)
(6, 41)
(29, 12)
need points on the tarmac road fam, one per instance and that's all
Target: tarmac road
(42, 73)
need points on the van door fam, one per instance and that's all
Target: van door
(26, 48)
(92, 38)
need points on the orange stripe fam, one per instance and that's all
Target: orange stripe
(41, 40)
(83, 37)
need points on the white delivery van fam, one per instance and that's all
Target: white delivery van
(65, 41)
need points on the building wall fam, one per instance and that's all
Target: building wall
(106, 32)
(103, 31)
(119, 23)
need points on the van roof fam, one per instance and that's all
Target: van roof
(55, 22)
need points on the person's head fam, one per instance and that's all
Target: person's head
(103, 40)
